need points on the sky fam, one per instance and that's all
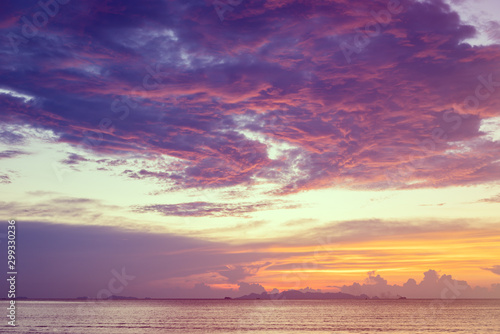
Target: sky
(202, 149)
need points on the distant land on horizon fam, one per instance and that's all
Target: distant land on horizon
(212, 150)
(289, 294)
(297, 295)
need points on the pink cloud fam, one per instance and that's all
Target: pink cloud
(394, 117)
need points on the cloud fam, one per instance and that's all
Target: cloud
(493, 31)
(433, 285)
(308, 289)
(494, 269)
(373, 229)
(77, 260)
(74, 159)
(51, 207)
(295, 266)
(494, 199)
(201, 209)
(238, 273)
(248, 288)
(11, 138)
(11, 154)
(281, 105)
(5, 179)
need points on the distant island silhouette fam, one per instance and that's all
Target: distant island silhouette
(289, 294)
(295, 294)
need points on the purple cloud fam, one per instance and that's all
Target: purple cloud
(11, 154)
(494, 269)
(200, 209)
(171, 79)
(238, 273)
(5, 179)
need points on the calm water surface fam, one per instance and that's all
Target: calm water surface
(257, 317)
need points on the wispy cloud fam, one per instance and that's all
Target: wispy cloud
(494, 199)
(494, 269)
(238, 273)
(200, 209)
(74, 159)
(51, 207)
(5, 179)
(11, 154)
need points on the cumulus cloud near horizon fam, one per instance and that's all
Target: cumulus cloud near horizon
(433, 285)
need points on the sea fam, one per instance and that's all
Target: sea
(255, 316)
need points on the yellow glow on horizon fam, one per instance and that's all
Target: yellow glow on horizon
(462, 254)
